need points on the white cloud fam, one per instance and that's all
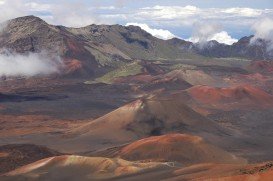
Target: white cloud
(107, 7)
(189, 15)
(28, 65)
(223, 37)
(247, 12)
(82, 13)
(62, 12)
(33, 6)
(2, 27)
(206, 32)
(66, 13)
(202, 32)
(168, 12)
(159, 33)
(11, 9)
(263, 29)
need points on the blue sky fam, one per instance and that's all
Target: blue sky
(192, 20)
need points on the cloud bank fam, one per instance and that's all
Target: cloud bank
(159, 33)
(32, 64)
(189, 15)
(203, 33)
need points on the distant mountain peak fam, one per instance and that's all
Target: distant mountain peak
(27, 19)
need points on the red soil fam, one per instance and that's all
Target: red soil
(225, 172)
(34, 124)
(245, 94)
(72, 66)
(259, 172)
(266, 176)
(134, 105)
(254, 77)
(182, 148)
(72, 167)
(165, 139)
(75, 47)
(14, 156)
(2, 107)
(262, 66)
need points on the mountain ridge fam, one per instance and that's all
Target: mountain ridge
(95, 49)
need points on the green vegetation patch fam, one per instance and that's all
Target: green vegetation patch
(182, 66)
(123, 71)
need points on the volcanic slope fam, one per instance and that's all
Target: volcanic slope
(87, 50)
(224, 172)
(132, 41)
(231, 98)
(244, 109)
(95, 49)
(182, 148)
(32, 34)
(194, 77)
(14, 156)
(72, 167)
(81, 168)
(98, 168)
(142, 118)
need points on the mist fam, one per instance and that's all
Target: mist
(204, 32)
(32, 64)
(3, 25)
(263, 29)
(159, 33)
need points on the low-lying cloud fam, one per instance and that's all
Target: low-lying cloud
(32, 64)
(159, 33)
(263, 29)
(223, 37)
(11, 9)
(2, 26)
(203, 33)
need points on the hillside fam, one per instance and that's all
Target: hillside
(96, 49)
(14, 156)
(142, 118)
(89, 50)
(74, 167)
(243, 97)
(183, 148)
(113, 102)
(244, 48)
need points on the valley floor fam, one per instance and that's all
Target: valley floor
(162, 121)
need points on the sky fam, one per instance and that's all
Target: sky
(193, 20)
